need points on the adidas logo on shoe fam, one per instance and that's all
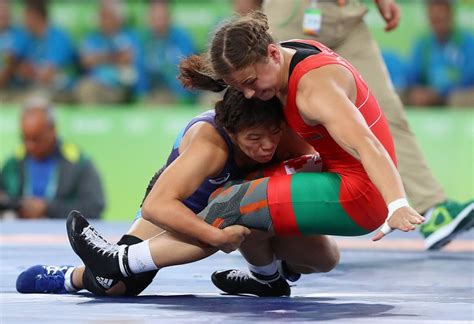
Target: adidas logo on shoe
(105, 282)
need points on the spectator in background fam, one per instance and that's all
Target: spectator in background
(47, 61)
(442, 66)
(397, 68)
(112, 58)
(12, 39)
(165, 45)
(47, 177)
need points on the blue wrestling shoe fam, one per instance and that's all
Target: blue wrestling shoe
(43, 279)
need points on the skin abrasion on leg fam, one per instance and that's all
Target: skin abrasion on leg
(243, 204)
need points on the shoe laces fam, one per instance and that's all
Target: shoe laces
(237, 275)
(94, 239)
(51, 281)
(54, 270)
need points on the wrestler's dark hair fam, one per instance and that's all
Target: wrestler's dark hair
(235, 113)
(236, 44)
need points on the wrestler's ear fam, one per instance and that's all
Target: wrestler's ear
(273, 53)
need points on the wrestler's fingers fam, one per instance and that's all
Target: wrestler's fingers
(384, 230)
(378, 236)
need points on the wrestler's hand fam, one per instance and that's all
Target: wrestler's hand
(403, 219)
(233, 236)
(390, 13)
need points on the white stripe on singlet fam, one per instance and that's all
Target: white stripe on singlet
(378, 118)
(362, 105)
(365, 101)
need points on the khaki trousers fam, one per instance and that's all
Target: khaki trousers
(343, 29)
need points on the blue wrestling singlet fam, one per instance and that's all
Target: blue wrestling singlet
(199, 199)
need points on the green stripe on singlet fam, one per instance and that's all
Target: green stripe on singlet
(317, 208)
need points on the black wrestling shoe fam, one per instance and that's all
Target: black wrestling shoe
(286, 272)
(102, 257)
(236, 282)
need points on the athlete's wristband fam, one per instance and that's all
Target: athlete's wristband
(395, 205)
(392, 207)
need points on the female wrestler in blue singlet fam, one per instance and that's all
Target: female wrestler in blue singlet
(214, 148)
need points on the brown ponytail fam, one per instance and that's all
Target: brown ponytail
(196, 73)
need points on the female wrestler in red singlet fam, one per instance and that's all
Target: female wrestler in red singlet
(329, 105)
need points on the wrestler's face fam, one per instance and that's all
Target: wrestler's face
(259, 143)
(260, 80)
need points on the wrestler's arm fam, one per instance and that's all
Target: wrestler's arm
(328, 102)
(203, 154)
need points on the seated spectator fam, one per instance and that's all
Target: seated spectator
(165, 45)
(47, 61)
(441, 70)
(112, 59)
(12, 40)
(47, 177)
(397, 69)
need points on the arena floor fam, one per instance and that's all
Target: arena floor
(394, 281)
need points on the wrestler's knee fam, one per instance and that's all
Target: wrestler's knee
(330, 261)
(324, 256)
(331, 255)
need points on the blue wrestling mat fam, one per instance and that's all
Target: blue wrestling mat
(393, 281)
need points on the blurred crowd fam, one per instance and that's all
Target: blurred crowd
(440, 68)
(112, 64)
(118, 63)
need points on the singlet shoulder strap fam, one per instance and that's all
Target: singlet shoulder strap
(303, 50)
